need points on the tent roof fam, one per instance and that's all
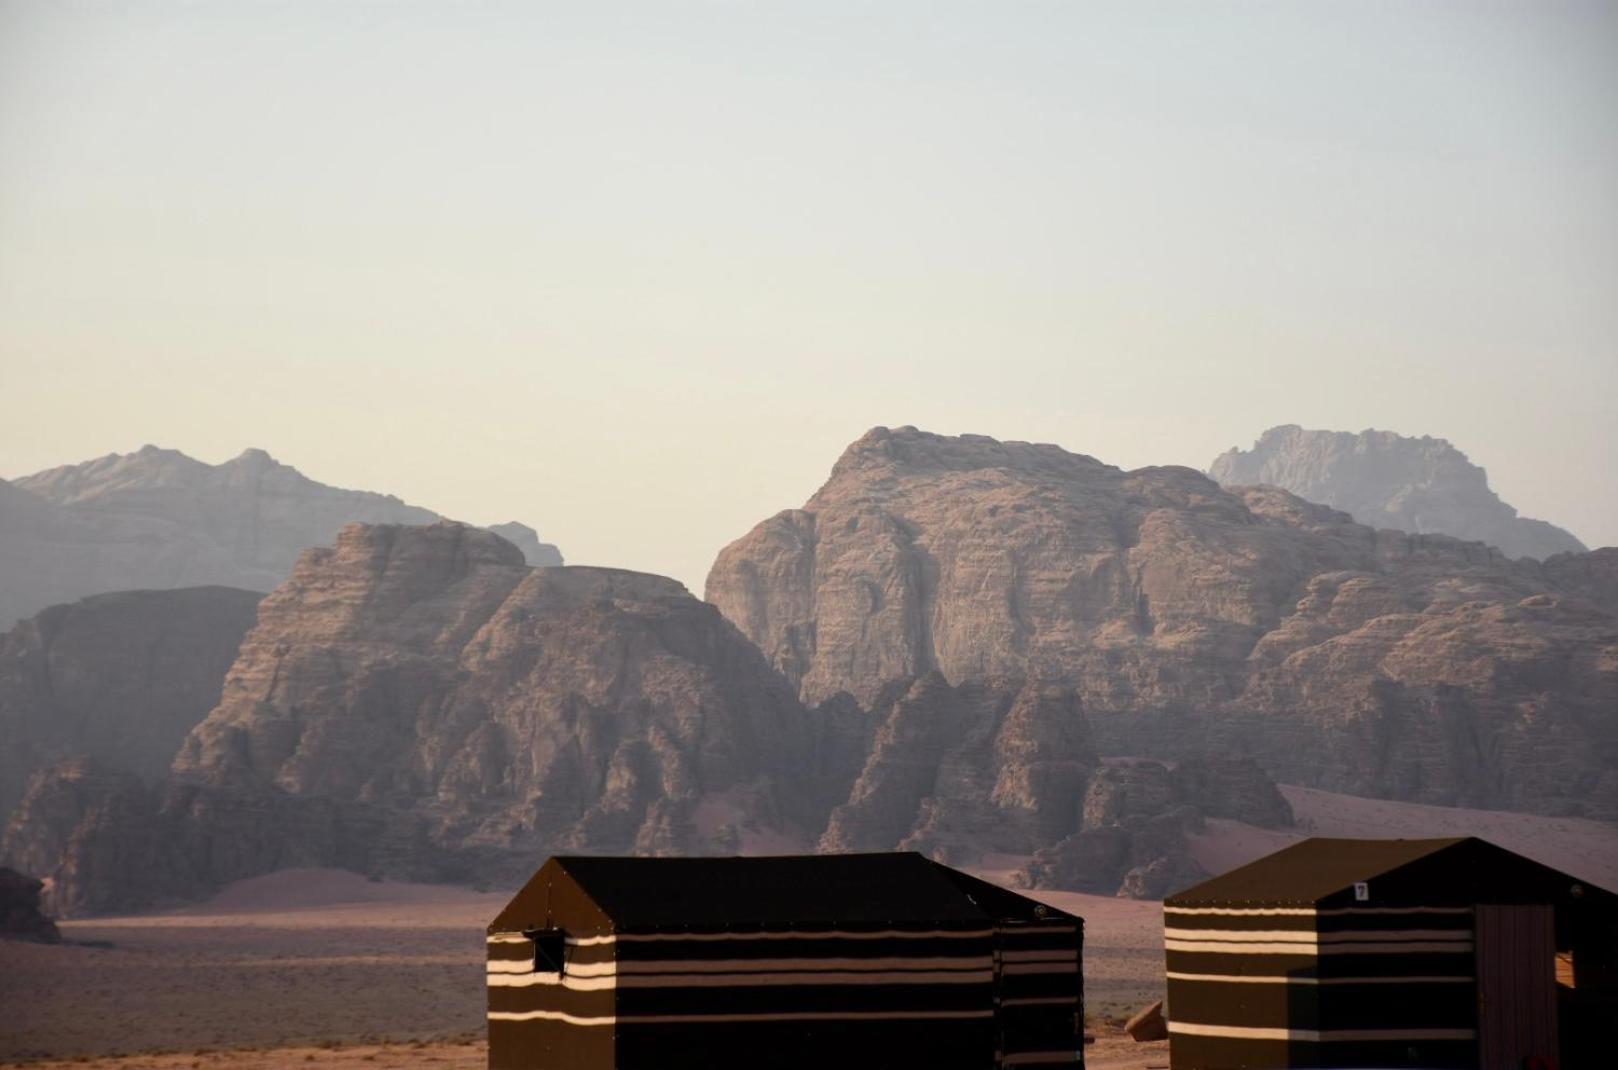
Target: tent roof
(1311, 870)
(781, 891)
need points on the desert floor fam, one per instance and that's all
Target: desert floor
(321, 968)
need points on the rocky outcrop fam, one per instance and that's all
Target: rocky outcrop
(1234, 788)
(1135, 817)
(1184, 620)
(159, 519)
(954, 772)
(20, 918)
(121, 677)
(1420, 485)
(418, 702)
(1591, 577)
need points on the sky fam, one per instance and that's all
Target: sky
(635, 274)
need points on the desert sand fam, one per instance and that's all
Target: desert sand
(321, 968)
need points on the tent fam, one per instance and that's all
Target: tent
(1391, 953)
(874, 960)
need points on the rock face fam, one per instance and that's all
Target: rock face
(417, 701)
(1179, 618)
(20, 918)
(120, 677)
(1420, 485)
(1135, 818)
(953, 772)
(159, 519)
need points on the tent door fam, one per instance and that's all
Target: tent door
(1516, 971)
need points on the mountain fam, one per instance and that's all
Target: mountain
(1420, 485)
(159, 519)
(418, 701)
(1179, 618)
(121, 677)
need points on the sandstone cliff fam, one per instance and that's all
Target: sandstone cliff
(157, 518)
(1181, 618)
(120, 677)
(1420, 485)
(417, 701)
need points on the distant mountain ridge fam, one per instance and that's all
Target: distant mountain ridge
(936, 582)
(157, 518)
(1387, 480)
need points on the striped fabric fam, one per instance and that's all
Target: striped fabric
(1040, 993)
(1346, 986)
(952, 998)
(696, 999)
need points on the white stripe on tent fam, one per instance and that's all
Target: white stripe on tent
(830, 977)
(885, 934)
(1244, 936)
(1292, 936)
(1244, 1032)
(745, 980)
(1274, 979)
(573, 984)
(1246, 912)
(653, 966)
(678, 1019)
(1310, 948)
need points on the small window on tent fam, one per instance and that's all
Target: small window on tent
(548, 945)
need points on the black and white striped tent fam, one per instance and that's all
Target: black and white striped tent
(841, 961)
(1391, 953)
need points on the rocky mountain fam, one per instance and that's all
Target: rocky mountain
(20, 918)
(1420, 485)
(1136, 816)
(932, 577)
(159, 519)
(417, 701)
(120, 677)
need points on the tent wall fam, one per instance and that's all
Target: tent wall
(1041, 992)
(1290, 986)
(540, 1019)
(894, 997)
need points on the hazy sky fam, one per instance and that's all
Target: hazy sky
(636, 273)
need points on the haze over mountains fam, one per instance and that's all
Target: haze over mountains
(159, 519)
(957, 645)
(1388, 480)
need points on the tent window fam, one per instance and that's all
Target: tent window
(548, 945)
(1564, 969)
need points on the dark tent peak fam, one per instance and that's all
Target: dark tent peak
(1308, 871)
(779, 891)
(1316, 870)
